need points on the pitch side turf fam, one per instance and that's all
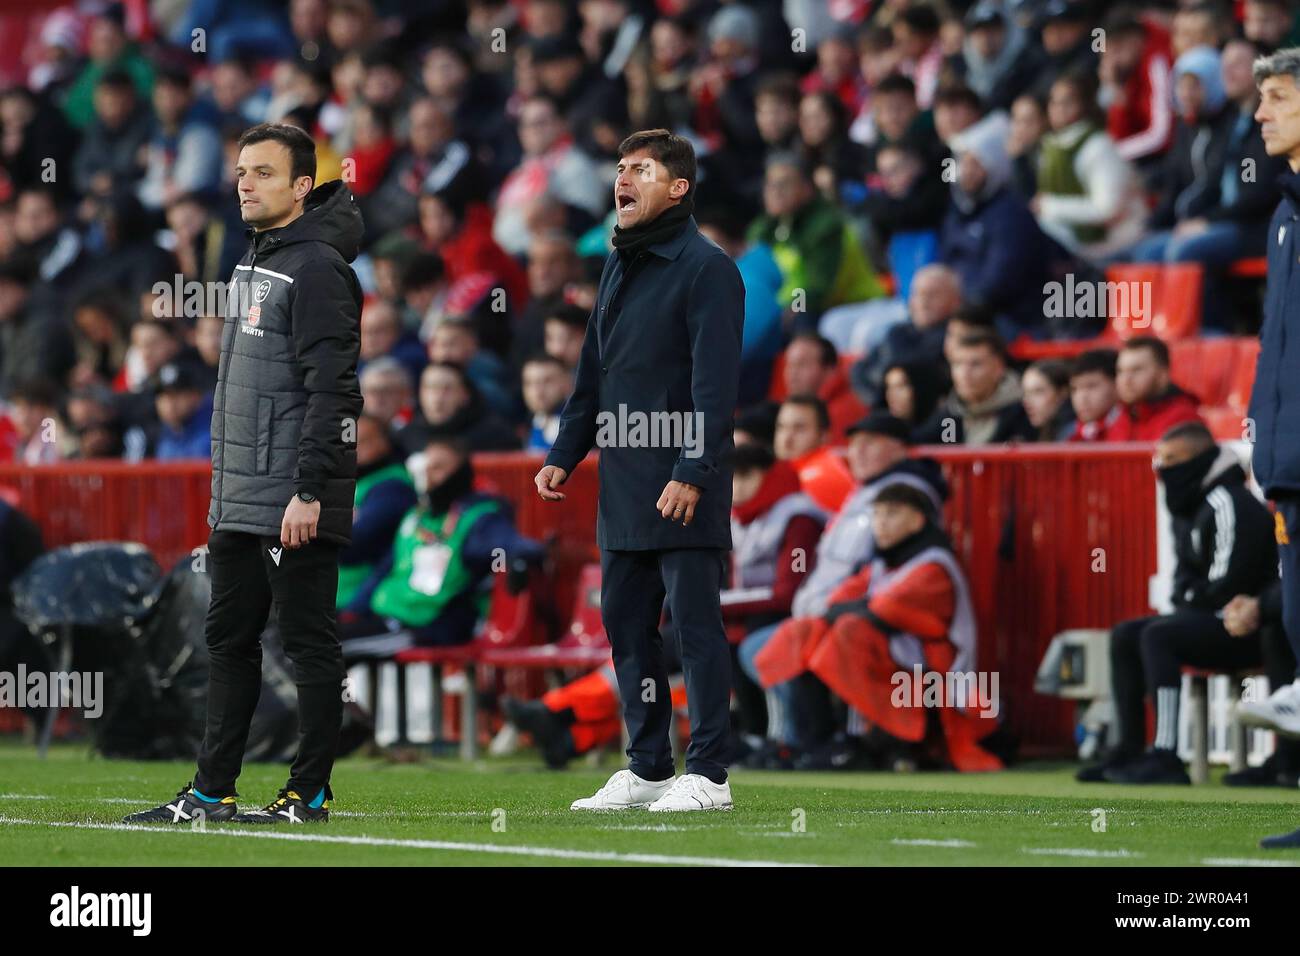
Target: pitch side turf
(65, 810)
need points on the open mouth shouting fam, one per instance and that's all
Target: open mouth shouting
(628, 202)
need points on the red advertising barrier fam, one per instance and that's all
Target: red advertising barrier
(1052, 537)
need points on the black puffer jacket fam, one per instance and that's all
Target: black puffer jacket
(287, 398)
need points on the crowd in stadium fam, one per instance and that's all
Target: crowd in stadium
(898, 183)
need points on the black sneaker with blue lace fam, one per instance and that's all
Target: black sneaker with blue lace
(290, 807)
(190, 805)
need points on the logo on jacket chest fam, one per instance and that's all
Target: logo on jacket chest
(260, 292)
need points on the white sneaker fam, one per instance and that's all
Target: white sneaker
(693, 791)
(1280, 712)
(624, 791)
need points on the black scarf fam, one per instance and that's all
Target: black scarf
(1183, 491)
(667, 224)
(929, 536)
(458, 484)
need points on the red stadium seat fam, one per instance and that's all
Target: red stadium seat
(1172, 307)
(585, 645)
(1243, 372)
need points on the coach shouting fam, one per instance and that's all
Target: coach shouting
(663, 346)
(283, 474)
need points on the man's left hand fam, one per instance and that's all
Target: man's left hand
(299, 523)
(678, 501)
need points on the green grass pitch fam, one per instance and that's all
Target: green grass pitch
(64, 811)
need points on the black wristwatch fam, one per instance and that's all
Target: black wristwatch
(306, 497)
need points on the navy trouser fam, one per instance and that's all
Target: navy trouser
(633, 588)
(1288, 552)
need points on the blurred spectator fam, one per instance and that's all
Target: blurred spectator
(239, 98)
(1196, 24)
(1089, 198)
(382, 334)
(93, 418)
(388, 391)
(424, 288)
(988, 230)
(1268, 23)
(812, 367)
(1152, 402)
(547, 384)
(100, 325)
(184, 405)
(802, 438)
(124, 253)
(1093, 396)
(936, 295)
(836, 71)
(916, 34)
(206, 246)
(1028, 124)
(1065, 27)
(42, 436)
(111, 52)
(384, 494)
(824, 144)
(235, 26)
(761, 276)
(1046, 397)
(450, 405)
(999, 59)
(428, 588)
(112, 147)
(566, 327)
(820, 256)
(43, 237)
(985, 404)
(460, 233)
(32, 344)
(34, 139)
(912, 390)
(432, 159)
(183, 154)
(1210, 210)
(454, 341)
(957, 109)
(553, 164)
(1136, 87)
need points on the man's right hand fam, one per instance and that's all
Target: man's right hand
(547, 480)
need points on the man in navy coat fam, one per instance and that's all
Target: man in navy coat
(1275, 401)
(655, 391)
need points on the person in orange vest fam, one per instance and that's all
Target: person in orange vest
(891, 635)
(802, 431)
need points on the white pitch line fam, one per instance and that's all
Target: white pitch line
(1245, 861)
(605, 856)
(955, 844)
(1079, 851)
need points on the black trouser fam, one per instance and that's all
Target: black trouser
(303, 585)
(1147, 655)
(633, 587)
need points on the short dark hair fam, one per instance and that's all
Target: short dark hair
(570, 315)
(117, 78)
(958, 94)
(1195, 433)
(896, 83)
(754, 456)
(985, 339)
(1094, 360)
(816, 404)
(976, 315)
(829, 355)
(543, 358)
(783, 86)
(1157, 348)
(674, 152)
(424, 269)
(1056, 371)
(921, 19)
(901, 494)
(301, 147)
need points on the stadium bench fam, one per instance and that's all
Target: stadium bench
(584, 646)
(1199, 699)
(511, 620)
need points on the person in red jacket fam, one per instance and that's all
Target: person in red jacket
(1152, 403)
(812, 367)
(1136, 87)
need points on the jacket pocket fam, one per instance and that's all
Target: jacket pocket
(265, 415)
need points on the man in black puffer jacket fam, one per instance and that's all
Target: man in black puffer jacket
(283, 473)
